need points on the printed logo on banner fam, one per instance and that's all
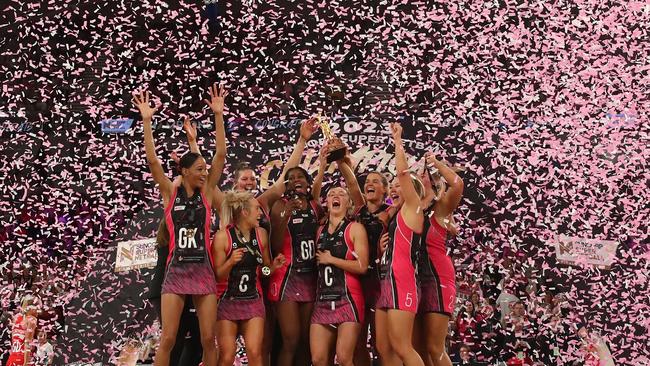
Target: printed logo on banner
(575, 251)
(135, 254)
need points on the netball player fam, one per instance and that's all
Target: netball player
(186, 351)
(242, 256)
(187, 214)
(22, 333)
(399, 298)
(342, 258)
(371, 211)
(294, 222)
(436, 270)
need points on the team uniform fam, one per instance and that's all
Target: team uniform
(436, 270)
(190, 268)
(18, 347)
(297, 280)
(242, 299)
(375, 229)
(339, 294)
(398, 268)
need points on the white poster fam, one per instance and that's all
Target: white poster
(136, 254)
(573, 250)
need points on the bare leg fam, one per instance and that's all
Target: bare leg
(400, 335)
(253, 332)
(303, 356)
(386, 351)
(323, 337)
(267, 343)
(348, 333)
(419, 341)
(361, 351)
(206, 311)
(171, 309)
(436, 326)
(227, 335)
(290, 329)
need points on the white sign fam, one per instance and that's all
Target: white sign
(136, 254)
(572, 250)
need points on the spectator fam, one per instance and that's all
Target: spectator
(44, 350)
(521, 357)
(475, 299)
(465, 356)
(466, 325)
(594, 348)
(490, 334)
(506, 298)
(547, 341)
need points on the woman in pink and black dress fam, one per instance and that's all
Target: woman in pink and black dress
(242, 257)
(189, 268)
(370, 210)
(294, 221)
(399, 298)
(342, 257)
(436, 270)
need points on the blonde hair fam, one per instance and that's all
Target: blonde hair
(29, 302)
(419, 186)
(233, 205)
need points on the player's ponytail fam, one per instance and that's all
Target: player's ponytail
(233, 205)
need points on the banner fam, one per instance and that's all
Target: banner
(136, 254)
(260, 143)
(573, 250)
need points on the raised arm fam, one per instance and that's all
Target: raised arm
(429, 192)
(451, 198)
(317, 184)
(271, 195)
(190, 133)
(141, 101)
(410, 196)
(345, 167)
(216, 103)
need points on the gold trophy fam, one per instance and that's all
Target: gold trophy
(337, 147)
